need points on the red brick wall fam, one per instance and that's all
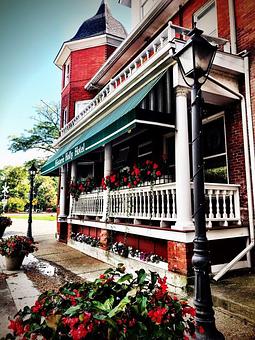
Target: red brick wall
(84, 64)
(245, 18)
(179, 257)
(235, 151)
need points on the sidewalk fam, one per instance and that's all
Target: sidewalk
(57, 263)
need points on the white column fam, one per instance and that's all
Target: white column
(73, 178)
(107, 172)
(62, 193)
(182, 163)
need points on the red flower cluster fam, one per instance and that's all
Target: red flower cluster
(157, 314)
(17, 245)
(80, 186)
(148, 171)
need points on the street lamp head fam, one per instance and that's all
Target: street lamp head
(196, 57)
(32, 170)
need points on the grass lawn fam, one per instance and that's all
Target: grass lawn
(36, 216)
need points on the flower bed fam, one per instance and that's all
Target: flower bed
(114, 306)
(120, 249)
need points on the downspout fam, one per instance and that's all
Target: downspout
(248, 178)
(232, 23)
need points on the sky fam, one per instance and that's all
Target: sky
(31, 34)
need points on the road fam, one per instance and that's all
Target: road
(39, 228)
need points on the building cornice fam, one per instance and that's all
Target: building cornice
(69, 46)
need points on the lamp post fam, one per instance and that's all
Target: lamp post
(32, 171)
(195, 60)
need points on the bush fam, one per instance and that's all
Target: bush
(15, 204)
(114, 306)
(16, 245)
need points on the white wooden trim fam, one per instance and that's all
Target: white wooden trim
(239, 265)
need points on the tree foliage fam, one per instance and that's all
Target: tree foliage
(42, 134)
(18, 181)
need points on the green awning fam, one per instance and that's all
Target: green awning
(116, 123)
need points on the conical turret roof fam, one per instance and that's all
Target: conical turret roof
(101, 23)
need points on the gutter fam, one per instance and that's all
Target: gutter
(232, 23)
(249, 167)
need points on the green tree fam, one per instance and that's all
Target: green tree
(42, 134)
(47, 192)
(18, 182)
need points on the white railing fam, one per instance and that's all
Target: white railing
(158, 203)
(222, 203)
(88, 205)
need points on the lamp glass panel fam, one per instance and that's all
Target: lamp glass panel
(186, 60)
(203, 53)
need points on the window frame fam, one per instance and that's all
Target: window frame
(202, 12)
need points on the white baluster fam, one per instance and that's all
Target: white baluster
(210, 215)
(218, 215)
(144, 203)
(149, 214)
(173, 204)
(162, 204)
(225, 216)
(157, 202)
(231, 208)
(168, 212)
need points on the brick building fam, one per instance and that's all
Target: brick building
(124, 151)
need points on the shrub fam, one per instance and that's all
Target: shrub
(16, 204)
(114, 306)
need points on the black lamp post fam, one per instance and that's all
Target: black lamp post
(195, 60)
(32, 171)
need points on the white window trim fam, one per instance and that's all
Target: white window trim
(210, 119)
(205, 8)
(146, 153)
(67, 75)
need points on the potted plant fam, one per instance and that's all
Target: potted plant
(4, 223)
(15, 248)
(115, 306)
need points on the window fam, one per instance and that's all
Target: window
(80, 106)
(206, 18)
(145, 150)
(67, 73)
(214, 148)
(146, 6)
(65, 117)
(85, 169)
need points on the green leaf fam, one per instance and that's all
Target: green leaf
(68, 292)
(141, 276)
(120, 307)
(143, 304)
(72, 310)
(126, 277)
(109, 303)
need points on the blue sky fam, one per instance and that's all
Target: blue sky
(32, 32)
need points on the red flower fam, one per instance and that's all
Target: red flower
(37, 307)
(155, 166)
(137, 171)
(16, 326)
(148, 172)
(125, 179)
(158, 173)
(102, 276)
(112, 178)
(71, 322)
(157, 315)
(79, 333)
(200, 329)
